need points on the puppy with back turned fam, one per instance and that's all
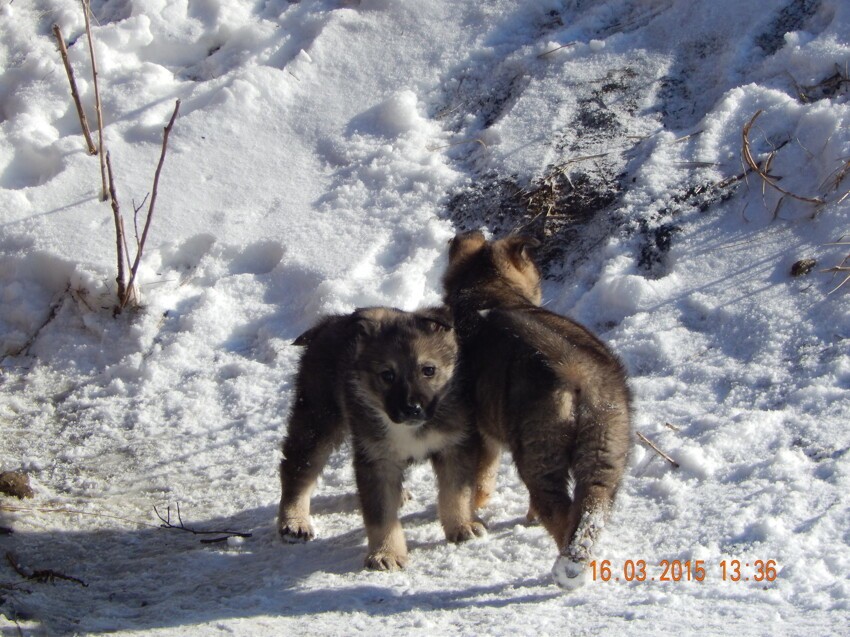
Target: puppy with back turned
(545, 387)
(385, 378)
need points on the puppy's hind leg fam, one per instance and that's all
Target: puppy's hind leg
(543, 468)
(598, 470)
(309, 441)
(487, 470)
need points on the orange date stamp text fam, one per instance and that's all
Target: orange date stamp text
(728, 570)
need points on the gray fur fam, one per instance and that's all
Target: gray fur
(542, 385)
(386, 379)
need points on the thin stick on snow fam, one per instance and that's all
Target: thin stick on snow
(51, 314)
(180, 526)
(63, 50)
(747, 155)
(141, 249)
(460, 143)
(41, 575)
(652, 446)
(104, 195)
(13, 508)
(557, 48)
(840, 268)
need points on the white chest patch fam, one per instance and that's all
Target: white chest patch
(405, 441)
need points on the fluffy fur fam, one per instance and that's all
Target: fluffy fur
(386, 378)
(542, 385)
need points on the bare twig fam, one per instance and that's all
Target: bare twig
(13, 508)
(98, 107)
(652, 446)
(825, 88)
(51, 314)
(557, 48)
(63, 50)
(121, 279)
(136, 210)
(747, 155)
(42, 575)
(165, 134)
(180, 526)
(835, 179)
(460, 143)
(840, 268)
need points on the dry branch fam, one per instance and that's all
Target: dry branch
(835, 179)
(51, 314)
(557, 48)
(166, 521)
(840, 268)
(19, 509)
(121, 279)
(41, 575)
(166, 132)
(63, 50)
(747, 155)
(180, 526)
(104, 195)
(652, 446)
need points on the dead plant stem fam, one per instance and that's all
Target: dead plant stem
(652, 446)
(104, 195)
(166, 131)
(84, 124)
(747, 155)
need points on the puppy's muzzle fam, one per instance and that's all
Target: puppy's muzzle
(413, 411)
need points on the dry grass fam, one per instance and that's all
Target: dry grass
(763, 169)
(828, 87)
(84, 124)
(842, 269)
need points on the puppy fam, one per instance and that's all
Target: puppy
(542, 385)
(385, 378)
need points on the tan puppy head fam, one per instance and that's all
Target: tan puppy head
(503, 267)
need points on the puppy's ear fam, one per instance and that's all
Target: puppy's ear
(519, 249)
(367, 321)
(307, 337)
(313, 333)
(435, 319)
(465, 244)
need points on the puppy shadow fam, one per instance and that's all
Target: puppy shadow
(339, 503)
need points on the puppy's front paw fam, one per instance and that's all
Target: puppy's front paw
(386, 561)
(296, 529)
(467, 531)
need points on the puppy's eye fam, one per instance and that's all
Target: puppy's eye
(429, 370)
(388, 375)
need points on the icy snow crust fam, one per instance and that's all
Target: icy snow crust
(310, 171)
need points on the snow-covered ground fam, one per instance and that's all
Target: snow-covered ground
(324, 154)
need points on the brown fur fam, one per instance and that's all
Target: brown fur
(542, 385)
(386, 378)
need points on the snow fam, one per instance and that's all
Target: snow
(315, 167)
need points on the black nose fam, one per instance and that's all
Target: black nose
(413, 410)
